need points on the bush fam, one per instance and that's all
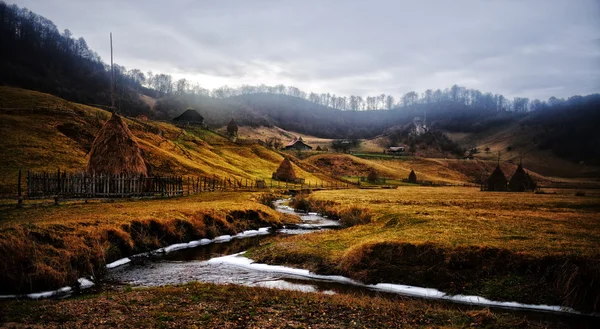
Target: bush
(267, 199)
(300, 202)
(354, 215)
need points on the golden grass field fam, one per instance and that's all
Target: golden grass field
(41, 132)
(43, 246)
(460, 240)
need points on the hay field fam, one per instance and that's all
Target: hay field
(536, 248)
(41, 132)
(46, 247)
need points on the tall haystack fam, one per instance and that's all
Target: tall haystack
(521, 181)
(285, 172)
(412, 177)
(115, 151)
(497, 180)
(232, 129)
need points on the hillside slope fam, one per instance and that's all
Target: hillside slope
(43, 132)
(518, 141)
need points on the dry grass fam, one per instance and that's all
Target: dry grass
(41, 132)
(43, 247)
(211, 306)
(555, 232)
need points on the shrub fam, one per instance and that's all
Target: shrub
(354, 215)
(267, 199)
(300, 202)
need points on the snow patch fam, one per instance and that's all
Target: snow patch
(119, 262)
(428, 293)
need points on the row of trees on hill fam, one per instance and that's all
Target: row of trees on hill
(37, 56)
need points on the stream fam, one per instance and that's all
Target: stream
(219, 262)
(222, 261)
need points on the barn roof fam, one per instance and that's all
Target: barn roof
(190, 115)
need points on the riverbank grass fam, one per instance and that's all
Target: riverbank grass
(199, 305)
(533, 248)
(45, 247)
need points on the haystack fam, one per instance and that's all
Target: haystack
(521, 181)
(319, 148)
(497, 180)
(285, 172)
(412, 177)
(372, 176)
(115, 151)
(232, 129)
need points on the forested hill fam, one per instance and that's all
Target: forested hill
(37, 56)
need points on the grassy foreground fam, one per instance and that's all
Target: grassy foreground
(532, 248)
(44, 247)
(212, 306)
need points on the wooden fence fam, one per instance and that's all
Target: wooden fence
(82, 185)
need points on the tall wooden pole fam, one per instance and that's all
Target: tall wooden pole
(19, 193)
(112, 78)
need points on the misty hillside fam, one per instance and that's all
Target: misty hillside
(39, 57)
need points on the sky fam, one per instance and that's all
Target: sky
(525, 48)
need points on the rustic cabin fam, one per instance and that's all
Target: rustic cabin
(285, 172)
(412, 177)
(497, 181)
(115, 151)
(190, 117)
(232, 129)
(521, 181)
(299, 145)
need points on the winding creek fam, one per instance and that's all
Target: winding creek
(222, 261)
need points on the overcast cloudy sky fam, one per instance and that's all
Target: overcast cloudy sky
(525, 48)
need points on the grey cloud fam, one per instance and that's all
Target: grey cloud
(531, 48)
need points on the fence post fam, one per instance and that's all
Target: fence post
(19, 195)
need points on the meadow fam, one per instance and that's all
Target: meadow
(46, 247)
(198, 305)
(535, 248)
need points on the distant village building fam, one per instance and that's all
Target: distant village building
(232, 129)
(298, 144)
(142, 117)
(521, 181)
(497, 181)
(412, 177)
(396, 149)
(115, 151)
(190, 117)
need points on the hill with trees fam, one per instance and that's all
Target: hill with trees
(37, 56)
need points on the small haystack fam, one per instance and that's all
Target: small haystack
(412, 177)
(521, 181)
(115, 151)
(189, 117)
(372, 177)
(497, 180)
(232, 129)
(319, 148)
(285, 172)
